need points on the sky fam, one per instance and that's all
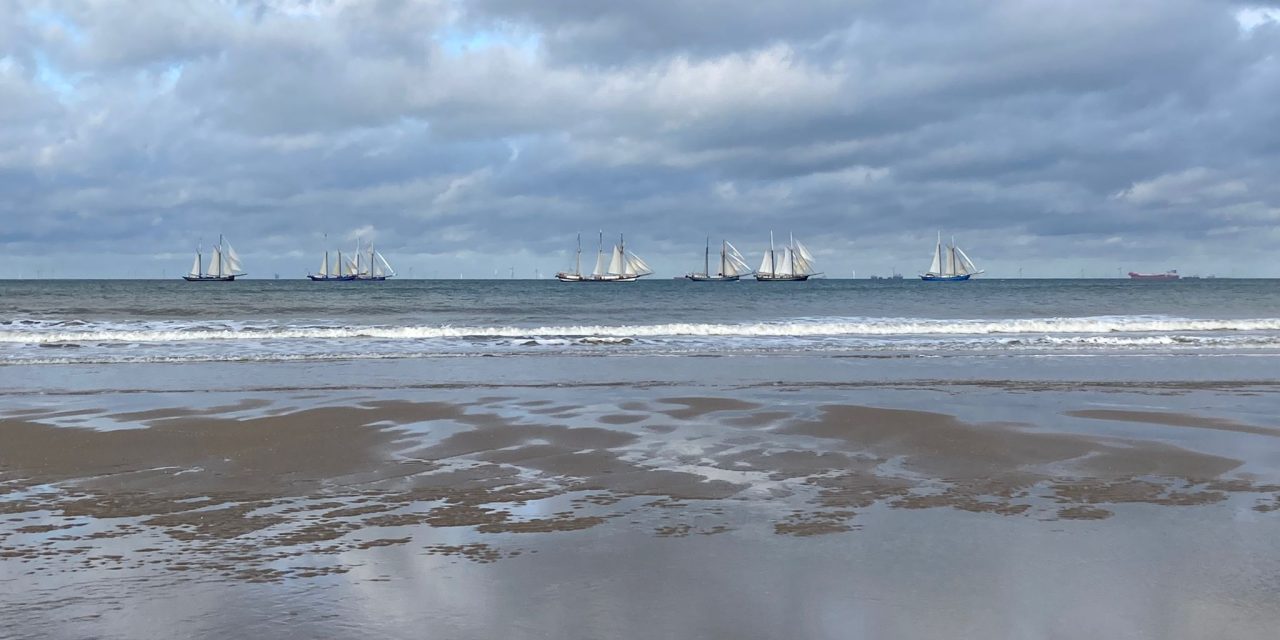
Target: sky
(1050, 138)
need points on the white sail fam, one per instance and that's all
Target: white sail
(617, 266)
(735, 264)
(784, 263)
(385, 267)
(602, 265)
(965, 263)
(803, 260)
(195, 266)
(802, 266)
(636, 266)
(324, 267)
(935, 267)
(766, 265)
(351, 267)
(232, 261)
(951, 261)
(337, 267)
(215, 264)
(802, 251)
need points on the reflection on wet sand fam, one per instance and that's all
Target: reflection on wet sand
(256, 491)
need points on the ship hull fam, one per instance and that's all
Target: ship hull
(769, 278)
(314, 278)
(1153, 277)
(932, 278)
(209, 278)
(694, 277)
(573, 278)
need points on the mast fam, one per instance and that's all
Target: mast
(219, 255)
(706, 259)
(773, 257)
(939, 253)
(722, 250)
(577, 264)
(792, 252)
(199, 262)
(600, 268)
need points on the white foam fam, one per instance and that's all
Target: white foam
(818, 327)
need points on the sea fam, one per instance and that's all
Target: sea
(1015, 458)
(57, 322)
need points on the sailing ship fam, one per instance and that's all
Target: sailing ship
(1168, 275)
(950, 264)
(341, 271)
(616, 266)
(732, 265)
(370, 264)
(224, 265)
(793, 263)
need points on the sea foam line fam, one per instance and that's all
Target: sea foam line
(793, 328)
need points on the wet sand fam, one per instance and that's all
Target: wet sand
(280, 492)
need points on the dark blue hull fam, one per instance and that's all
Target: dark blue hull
(933, 278)
(208, 278)
(315, 278)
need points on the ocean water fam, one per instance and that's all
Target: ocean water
(64, 322)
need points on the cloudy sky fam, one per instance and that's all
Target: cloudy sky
(465, 137)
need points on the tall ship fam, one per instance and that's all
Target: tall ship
(731, 266)
(792, 263)
(369, 264)
(1168, 275)
(618, 265)
(950, 264)
(338, 272)
(224, 264)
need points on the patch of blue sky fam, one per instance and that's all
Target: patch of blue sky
(46, 18)
(456, 41)
(50, 76)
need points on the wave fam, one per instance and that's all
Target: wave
(40, 333)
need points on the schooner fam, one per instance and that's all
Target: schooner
(950, 264)
(790, 264)
(224, 265)
(370, 264)
(732, 265)
(338, 272)
(618, 265)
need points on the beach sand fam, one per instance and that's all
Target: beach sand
(628, 511)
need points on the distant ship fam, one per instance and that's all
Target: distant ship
(621, 267)
(732, 265)
(895, 276)
(224, 265)
(950, 264)
(1168, 275)
(370, 265)
(341, 271)
(793, 263)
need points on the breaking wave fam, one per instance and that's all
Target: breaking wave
(40, 333)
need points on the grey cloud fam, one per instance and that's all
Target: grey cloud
(1135, 131)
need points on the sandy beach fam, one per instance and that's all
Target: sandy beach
(265, 493)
